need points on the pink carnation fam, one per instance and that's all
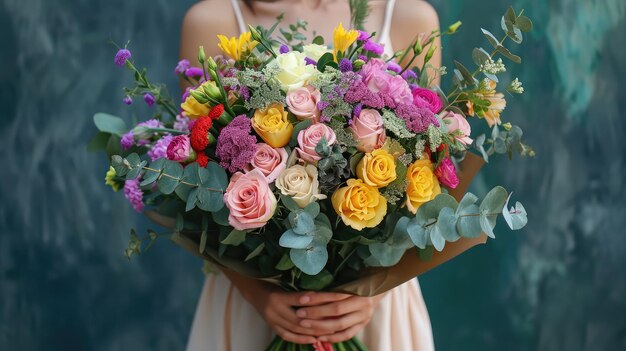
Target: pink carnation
(446, 173)
(179, 149)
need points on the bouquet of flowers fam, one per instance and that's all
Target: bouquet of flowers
(314, 166)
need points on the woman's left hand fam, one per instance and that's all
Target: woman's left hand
(336, 317)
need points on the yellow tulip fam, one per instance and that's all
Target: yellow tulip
(359, 205)
(272, 125)
(343, 38)
(236, 47)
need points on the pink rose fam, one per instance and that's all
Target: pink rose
(302, 102)
(446, 172)
(271, 162)
(249, 199)
(368, 130)
(378, 79)
(432, 100)
(458, 125)
(308, 139)
(179, 149)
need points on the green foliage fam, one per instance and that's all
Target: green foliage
(359, 10)
(389, 252)
(316, 282)
(110, 124)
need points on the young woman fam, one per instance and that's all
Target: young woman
(240, 314)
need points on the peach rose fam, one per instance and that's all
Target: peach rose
(302, 102)
(249, 199)
(368, 130)
(271, 162)
(308, 139)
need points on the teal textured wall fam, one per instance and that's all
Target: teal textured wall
(65, 285)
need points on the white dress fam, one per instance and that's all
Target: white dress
(225, 321)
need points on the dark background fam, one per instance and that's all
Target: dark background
(65, 285)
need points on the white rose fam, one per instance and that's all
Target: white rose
(293, 71)
(315, 51)
(301, 184)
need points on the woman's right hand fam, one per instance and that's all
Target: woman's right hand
(275, 306)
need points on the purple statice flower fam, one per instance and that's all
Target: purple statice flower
(244, 92)
(128, 140)
(193, 72)
(417, 119)
(235, 146)
(345, 65)
(357, 110)
(356, 92)
(392, 66)
(134, 194)
(284, 49)
(374, 47)
(122, 56)
(182, 66)
(321, 105)
(309, 61)
(149, 99)
(159, 149)
(373, 100)
(388, 100)
(127, 100)
(409, 74)
(363, 36)
(182, 124)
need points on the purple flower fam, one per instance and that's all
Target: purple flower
(392, 66)
(245, 92)
(417, 119)
(128, 140)
(121, 57)
(182, 124)
(345, 65)
(374, 47)
(159, 149)
(193, 72)
(321, 105)
(284, 49)
(309, 61)
(149, 99)
(179, 149)
(133, 193)
(182, 66)
(127, 100)
(408, 74)
(357, 110)
(363, 36)
(235, 146)
(363, 58)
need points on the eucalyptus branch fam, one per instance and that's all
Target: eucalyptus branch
(178, 179)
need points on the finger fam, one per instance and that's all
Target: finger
(334, 309)
(333, 325)
(285, 317)
(318, 298)
(293, 337)
(342, 335)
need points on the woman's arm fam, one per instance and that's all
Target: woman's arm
(411, 17)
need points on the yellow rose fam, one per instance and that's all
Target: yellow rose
(423, 184)
(377, 168)
(193, 108)
(359, 205)
(272, 125)
(236, 47)
(343, 38)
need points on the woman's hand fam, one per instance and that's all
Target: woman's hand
(336, 317)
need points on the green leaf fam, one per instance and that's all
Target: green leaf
(209, 200)
(491, 38)
(149, 176)
(99, 142)
(221, 217)
(324, 60)
(296, 130)
(291, 240)
(170, 178)
(516, 217)
(180, 223)
(192, 199)
(467, 75)
(235, 238)
(316, 282)
(479, 144)
(494, 201)
(435, 237)
(255, 252)
(121, 169)
(312, 259)
(524, 24)
(313, 209)
(205, 235)
(487, 223)
(285, 263)
(301, 222)
(468, 224)
(480, 56)
(110, 124)
(319, 40)
(446, 225)
(289, 203)
(506, 53)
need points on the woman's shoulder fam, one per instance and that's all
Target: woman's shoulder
(415, 13)
(203, 21)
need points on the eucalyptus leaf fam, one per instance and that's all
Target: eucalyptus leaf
(285, 263)
(480, 56)
(170, 178)
(446, 225)
(192, 199)
(435, 237)
(491, 38)
(291, 240)
(150, 176)
(487, 224)
(110, 124)
(290, 203)
(312, 259)
(494, 201)
(516, 217)
(99, 142)
(313, 209)
(235, 238)
(221, 217)
(301, 222)
(506, 53)
(524, 24)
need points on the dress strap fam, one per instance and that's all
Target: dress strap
(385, 32)
(240, 22)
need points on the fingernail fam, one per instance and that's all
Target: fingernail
(305, 324)
(305, 299)
(301, 313)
